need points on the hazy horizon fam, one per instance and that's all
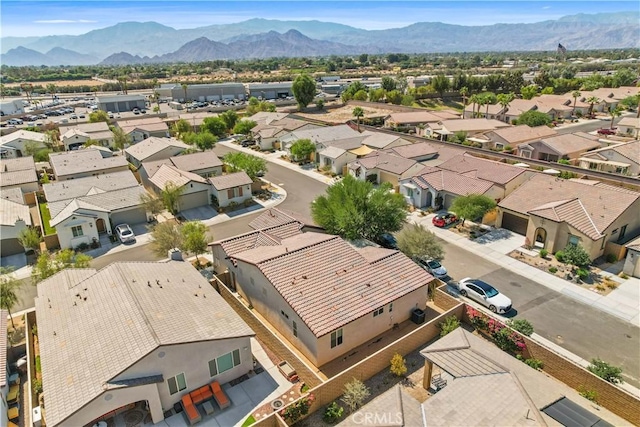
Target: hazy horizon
(42, 18)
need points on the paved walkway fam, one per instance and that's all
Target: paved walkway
(623, 302)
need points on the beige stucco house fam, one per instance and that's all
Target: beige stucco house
(381, 166)
(140, 129)
(323, 295)
(154, 148)
(15, 144)
(19, 172)
(553, 213)
(512, 137)
(234, 188)
(623, 159)
(83, 163)
(629, 126)
(196, 190)
(14, 217)
(126, 343)
(74, 137)
(553, 148)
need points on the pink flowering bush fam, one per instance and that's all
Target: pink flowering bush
(505, 338)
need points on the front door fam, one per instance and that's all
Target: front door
(101, 226)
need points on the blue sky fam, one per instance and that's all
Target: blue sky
(48, 17)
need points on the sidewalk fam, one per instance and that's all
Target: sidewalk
(623, 302)
(275, 158)
(143, 236)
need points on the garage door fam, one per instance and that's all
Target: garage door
(514, 223)
(10, 247)
(448, 201)
(194, 200)
(131, 216)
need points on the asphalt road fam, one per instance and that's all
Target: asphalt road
(579, 328)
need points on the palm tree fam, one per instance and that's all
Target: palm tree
(123, 83)
(9, 287)
(576, 94)
(464, 91)
(490, 99)
(504, 99)
(184, 88)
(615, 112)
(474, 99)
(592, 100)
(357, 113)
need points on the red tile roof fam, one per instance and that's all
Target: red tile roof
(259, 238)
(488, 170)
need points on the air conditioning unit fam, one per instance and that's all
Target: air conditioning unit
(36, 417)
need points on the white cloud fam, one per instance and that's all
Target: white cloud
(546, 7)
(64, 21)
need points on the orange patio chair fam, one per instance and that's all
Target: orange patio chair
(219, 395)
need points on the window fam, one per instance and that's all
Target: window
(177, 383)
(77, 231)
(390, 307)
(224, 363)
(234, 192)
(623, 230)
(574, 240)
(284, 314)
(378, 312)
(409, 192)
(295, 329)
(336, 338)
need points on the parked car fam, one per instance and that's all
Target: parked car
(485, 294)
(388, 241)
(444, 219)
(247, 143)
(15, 121)
(433, 267)
(605, 131)
(125, 233)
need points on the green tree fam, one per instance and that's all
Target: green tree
(576, 255)
(31, 148)
(360, 95)
(388, 83)
(441, 84)
(521, 325)
(9, 291)
(98, 116)
(184, 88)
(375, 95)
(194, 237)
(320, 104)
(120, 139)
(181, 127)
(416, 241)
(170, 196)
(533, 119)
(230, 118)
(166, 236)
(398, 365)
(575, 94)
(464, 91)
(489, 99)
(614, 112)
(504, 99)
(528, 92)
(472, 206)
(244, 126)
(607, 372)
(214, 125)
(30, 238)
(152, 204)
(304, 90)
(42, 155)
(351, 90)
(250, 164)
(624, 77)
(358, 112)
(394, 97)
(474, 100)
(205, 141)
(302, 149)
(49, 264)
(355, 209)
(592, 100)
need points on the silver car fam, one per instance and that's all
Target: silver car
(434, 267)
(125, 233)
(485, 294)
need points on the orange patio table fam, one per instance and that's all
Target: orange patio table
(13, 413)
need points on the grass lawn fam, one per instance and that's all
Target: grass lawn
(435, 104)
(46, 217)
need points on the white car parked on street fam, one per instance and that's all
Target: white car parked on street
(485, 294)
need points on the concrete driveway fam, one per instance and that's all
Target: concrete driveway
(201, 213)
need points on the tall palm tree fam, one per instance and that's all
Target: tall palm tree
(474, 99)
(576, 94)
(184, 88)
(464, 91)
(490, 99)
(614, 112)
(9, 287)
(592, 100)
(357, 113)
(504, 99)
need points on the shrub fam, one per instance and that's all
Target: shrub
(521, 325)
(508, 340)
(611, 284)
(355, 392)
(543, 253)
(37, 386)
(34, 330)
(591, 395)
(582, 273)
(560, 256)
(450, 323)
(477, 319)
(332, 413)
(553, 270)
(576, 255)
(605, 371)
(38, 366)
(295, 411)
(536, 364)
(398, 365)
(623, 276)
(611, 258)
(82, 247)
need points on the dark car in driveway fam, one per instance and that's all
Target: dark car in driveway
(605, 131)
(388, 241)
(444, 219)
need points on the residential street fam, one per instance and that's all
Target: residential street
(581, 329)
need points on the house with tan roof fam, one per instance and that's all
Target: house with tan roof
(444, 129)
(203, 163)
(19, 172)
(56, 191)
(553, 213)
(514, 136)
(196, 190)
(195, 119)
(629, 126)
(504, 176)
(231, 189)
(623, 159)
(609, 97)
(553, 148)
(277, 216)
(154, 148)
(15, 144)
(383, 141)
(322, 294)
(83, 163)
(341, 136)
(74, 137)
(517, 107)
(137, 130)
(268, 130)
(14, 217)
(151, 332)
(415, 119)
(381, 166)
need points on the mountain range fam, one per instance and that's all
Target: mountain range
(135, 42)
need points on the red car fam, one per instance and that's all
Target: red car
(611, 131)
(444, 219)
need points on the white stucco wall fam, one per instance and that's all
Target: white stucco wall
(19, 144)
(223, 197)
(89, 229)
